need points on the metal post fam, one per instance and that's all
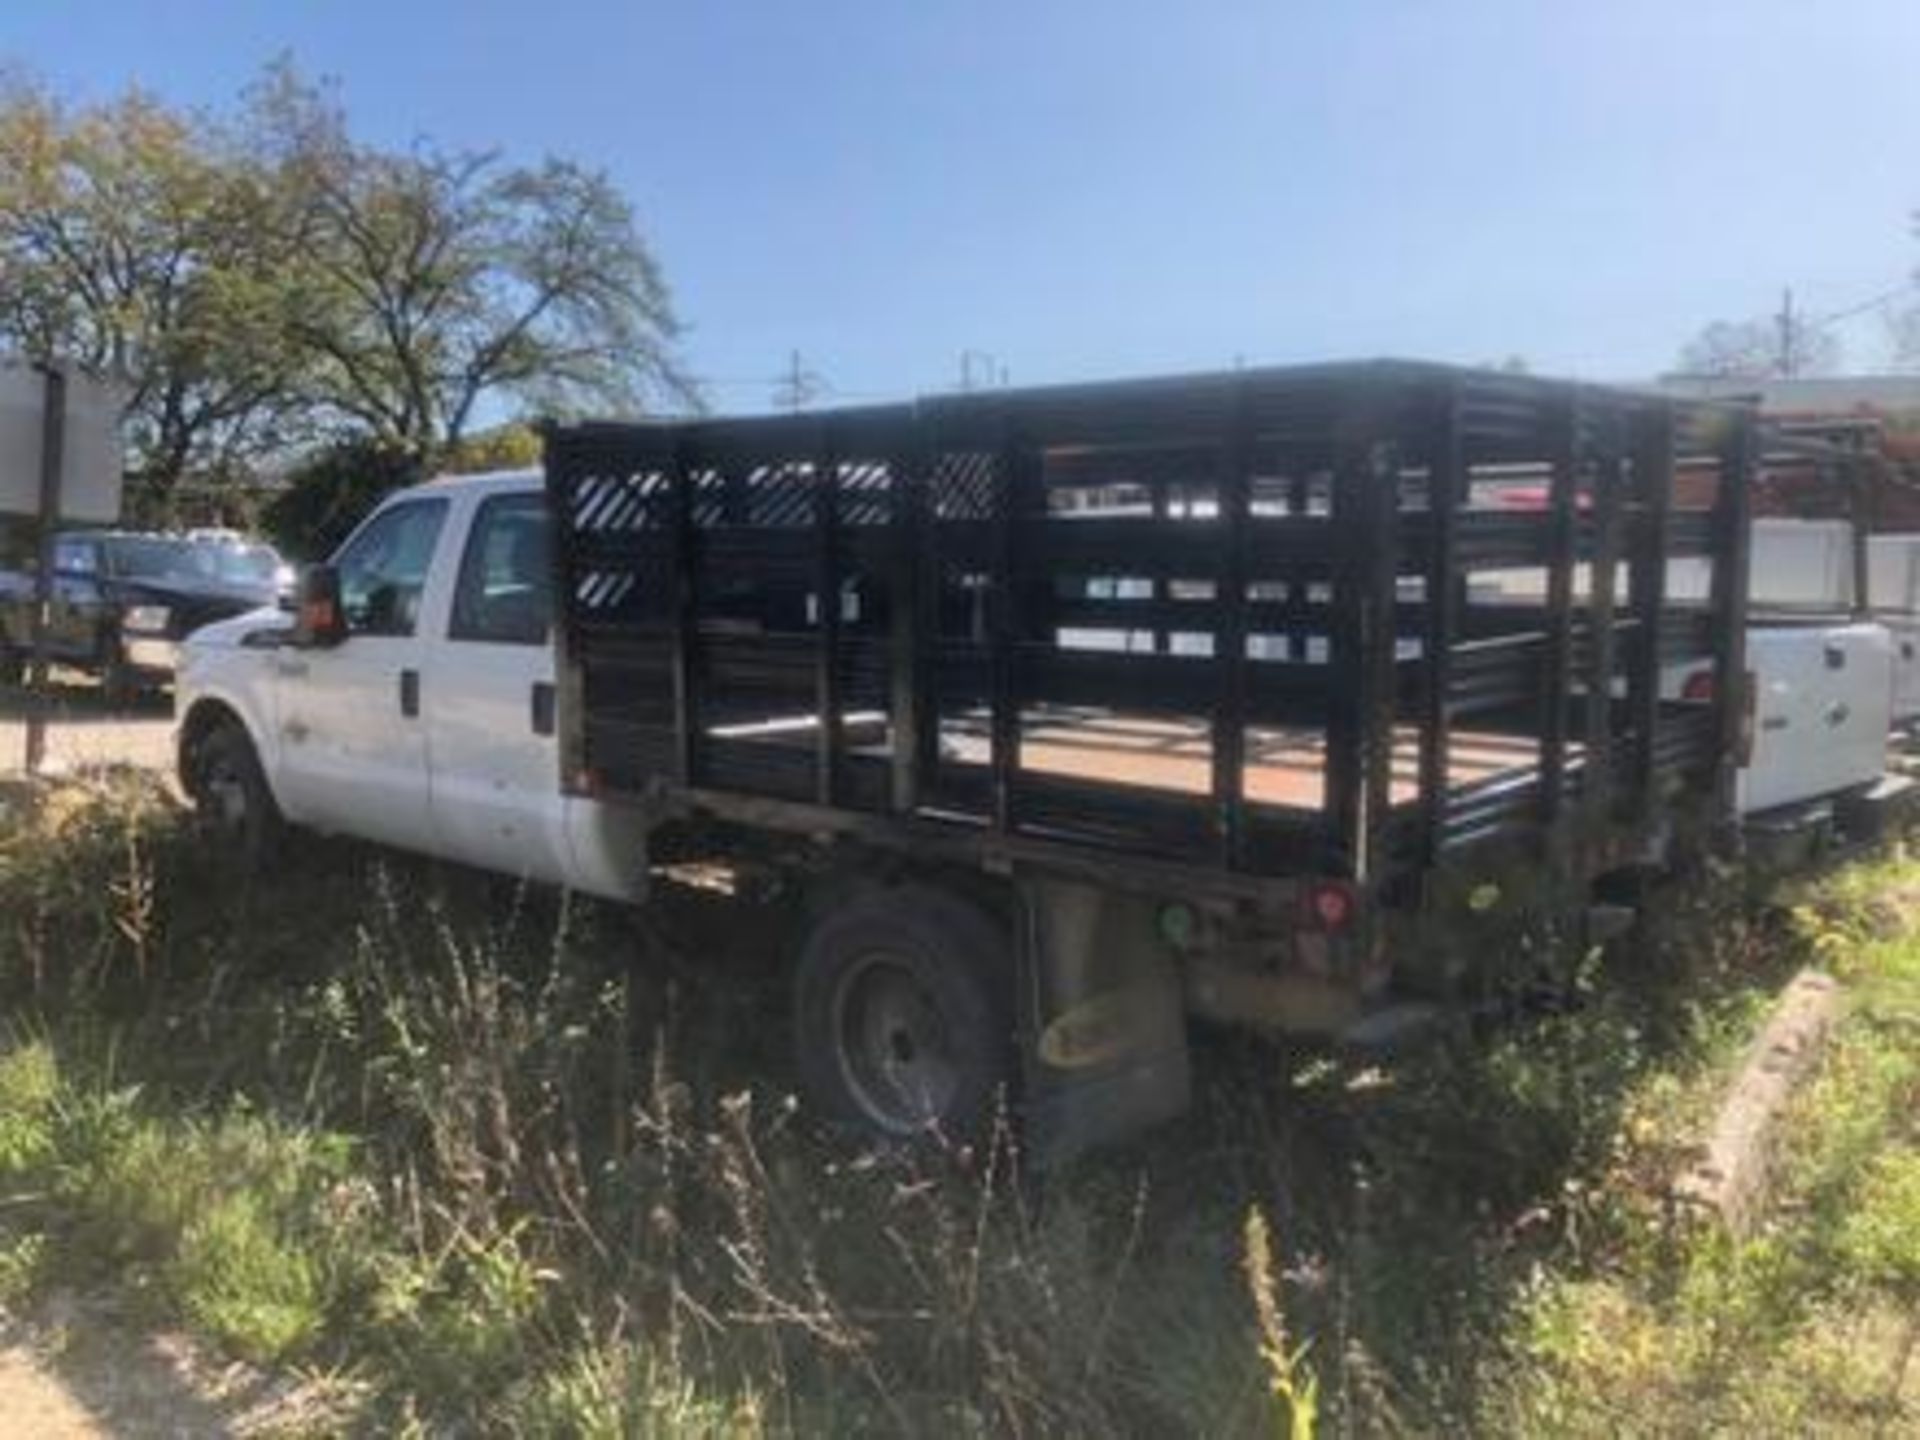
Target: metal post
(1602, 604)
(1007, 619)
(1562, 503)
(827, 641)
(1361, 635)
(1653, 467)
(1446, 491)
(53, 439)
(685, 619)
(912, 624)
(1230, 634)
(1739, 458)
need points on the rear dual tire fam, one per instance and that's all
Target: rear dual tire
(903, 1015)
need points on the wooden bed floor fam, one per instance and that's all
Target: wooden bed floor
(1282, 768)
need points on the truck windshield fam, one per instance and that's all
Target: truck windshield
(148, 557)
(234, 564)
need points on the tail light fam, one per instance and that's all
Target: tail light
(1330, 905)
(1698, 687)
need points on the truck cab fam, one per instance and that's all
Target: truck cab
(430, 724)
(120, 602)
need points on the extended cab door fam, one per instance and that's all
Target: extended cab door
(490, 699)
(353, 744)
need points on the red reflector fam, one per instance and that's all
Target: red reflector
(1699, 687)
(1332, 906)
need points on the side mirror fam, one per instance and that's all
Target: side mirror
(318, 621)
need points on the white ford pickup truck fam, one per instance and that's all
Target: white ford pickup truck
(1017, 844)
(433, 730)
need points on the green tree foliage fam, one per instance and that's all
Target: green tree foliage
(134, 241)
(504, 447)
(266, 282)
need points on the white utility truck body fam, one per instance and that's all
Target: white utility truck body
(1893, 595)
(1823, 685)
(1822, 706)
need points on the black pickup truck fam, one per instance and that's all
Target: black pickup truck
(122, 601)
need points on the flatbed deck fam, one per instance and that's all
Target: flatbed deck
(1236, 621)
(1282, 767)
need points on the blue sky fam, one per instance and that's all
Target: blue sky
(1086, 189)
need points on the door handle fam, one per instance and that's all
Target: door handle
(542, 707)
(410, 694)
(291, 669)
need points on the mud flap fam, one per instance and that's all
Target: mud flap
(1103, 1023)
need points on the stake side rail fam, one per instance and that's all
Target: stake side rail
(1359, 621)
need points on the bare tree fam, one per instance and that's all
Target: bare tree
(434, 281)
(1781, 347)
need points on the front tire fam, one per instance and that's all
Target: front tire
(232, 799)
(903, 1014)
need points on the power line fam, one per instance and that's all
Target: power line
(1886, 298)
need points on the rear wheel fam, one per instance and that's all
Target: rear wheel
(231, 797)
(904, 1013)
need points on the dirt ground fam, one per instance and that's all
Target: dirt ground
(83, 731)
(79, 1371)
(75, 1373)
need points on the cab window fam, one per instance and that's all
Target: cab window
(505, 594)
(383, 569)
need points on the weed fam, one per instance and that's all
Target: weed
(1292, 1384)
(449, 1136)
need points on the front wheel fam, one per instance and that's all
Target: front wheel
(904, 1013)
(231, 797)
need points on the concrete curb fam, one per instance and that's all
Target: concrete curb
(1730, 1179)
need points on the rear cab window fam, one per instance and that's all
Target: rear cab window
(505, 591)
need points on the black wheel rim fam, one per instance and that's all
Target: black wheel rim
(892, 1041)
(223, 797)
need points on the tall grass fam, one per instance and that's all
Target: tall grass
(526, 1166)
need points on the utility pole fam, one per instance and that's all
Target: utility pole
(53, 441)
(989, 367)
(1789, 361)
(799, 387)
